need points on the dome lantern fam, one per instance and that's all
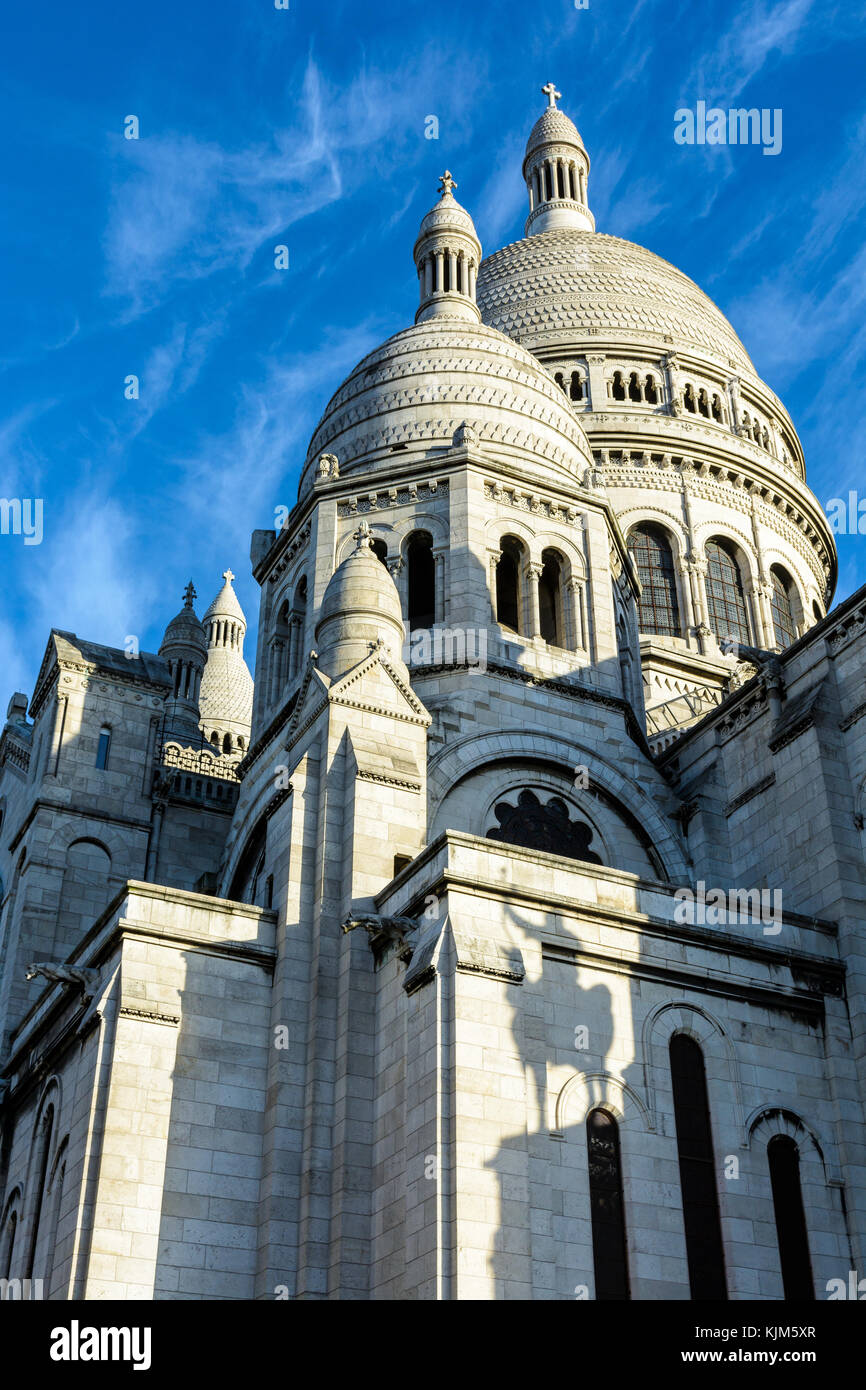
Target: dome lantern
(447, 256)
(556, 170)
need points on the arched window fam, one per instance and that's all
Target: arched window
(559, 379)
(297, 625)
(689, 399)
(39, 1173)
(634, 391)
(650, 391)
(783, 1157)
(550, 598)
(422, 580)
(379, 549)
(103, 747)
(726, 601)
(651, 551)
(8, 1234)
(717, 409)
(703, 403)
(781, 607)
(703, 1228)
(606, 1206)
(227, 743)
(508, 583)
(617, 389)
(576, 389)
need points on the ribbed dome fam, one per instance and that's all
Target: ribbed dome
(415, 391)
(552, 127)
(584, 283)
(360, 607)
(448, 214)
(184, 631)
(361, 584)
(226, 604)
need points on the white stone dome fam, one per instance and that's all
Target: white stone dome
(360, 606)
(553, 127)
(415, 391)
(593, 287)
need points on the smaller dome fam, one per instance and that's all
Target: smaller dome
(226, 604)
(185, 630)
(553, 127)
(447, 215)
(360, 607)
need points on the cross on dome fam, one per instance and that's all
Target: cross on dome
(552, 94)
(446, 183)
(189, 595)
(228, 576)
(362, 535)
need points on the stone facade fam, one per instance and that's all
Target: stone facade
(312, 991)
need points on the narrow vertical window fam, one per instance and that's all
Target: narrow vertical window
(704, 1249)
(103, 747)
(783, 1157)
(606, 1206)
(550, 598)
(508, 584)
(421, 581)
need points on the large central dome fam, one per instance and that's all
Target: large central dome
(589, 285)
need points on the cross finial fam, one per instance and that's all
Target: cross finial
(228, 576)
(446, 183)
(552, 94)
(189, 595)
(362, 535)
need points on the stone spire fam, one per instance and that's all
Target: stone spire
(184, 648)
(556, 170)
(226, 698)
(447, 255)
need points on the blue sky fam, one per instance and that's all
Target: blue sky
(306, 128)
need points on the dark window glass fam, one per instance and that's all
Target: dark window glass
(659, 609)
(725, 598)
(784, 1160)
(550, 599)
(606, 1206)
(780, 606)
(102, 750)
(421, 580)
(704, 1249)
(508, 586)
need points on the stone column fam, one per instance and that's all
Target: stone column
(672, 384)
(428, 276)
(595, 364)
(574, 600)
(439, 579)
(493, 564)
(440, 262)
(533, 613)
(452, 272)
(688, 614)
(733, 385)
(57, 731)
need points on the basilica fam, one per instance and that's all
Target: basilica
(371, 976)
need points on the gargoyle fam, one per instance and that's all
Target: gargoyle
(394, 929)
(86, 980)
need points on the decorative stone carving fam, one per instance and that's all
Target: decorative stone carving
(543, 827)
